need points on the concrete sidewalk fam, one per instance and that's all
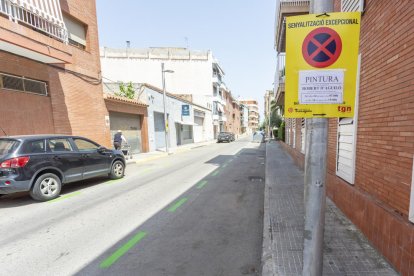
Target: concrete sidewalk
(149, 156)
(346, 250)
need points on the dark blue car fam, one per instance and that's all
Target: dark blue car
(41, 164)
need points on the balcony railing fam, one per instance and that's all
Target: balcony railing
(44, 16)
(289, 6)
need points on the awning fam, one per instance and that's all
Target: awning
(185, 123)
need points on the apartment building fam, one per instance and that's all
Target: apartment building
(268, 98)
(253, 117)
(232, 113)
(244, 118)
(196, 73)
(50, 78)
(370, 156)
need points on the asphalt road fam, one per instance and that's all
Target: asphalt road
(194, 213)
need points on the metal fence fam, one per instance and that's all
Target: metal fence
(46, 18)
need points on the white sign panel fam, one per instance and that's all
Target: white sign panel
(321, 86)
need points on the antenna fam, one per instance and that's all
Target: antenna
(3, 131)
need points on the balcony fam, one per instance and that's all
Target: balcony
(219, 99)
(286, 8)
(279, 88)
(34, 29)
(44, 16)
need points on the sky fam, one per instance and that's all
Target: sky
(238, 32)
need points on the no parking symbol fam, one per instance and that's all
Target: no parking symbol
(322, 47)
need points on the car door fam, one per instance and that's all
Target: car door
(95, 163)
(63, 156)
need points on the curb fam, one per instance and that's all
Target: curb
(161, 155)
(268, 268)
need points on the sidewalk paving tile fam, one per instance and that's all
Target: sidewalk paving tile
(346, 250)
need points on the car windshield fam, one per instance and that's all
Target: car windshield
(7, 146)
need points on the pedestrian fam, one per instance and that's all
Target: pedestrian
(118, 139)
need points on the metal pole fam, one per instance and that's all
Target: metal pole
(315, 178)
(165, 112)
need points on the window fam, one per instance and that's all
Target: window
(8, 146)
(76, 32)
(411, 212)
(59, 145)
(352, 5)
(294, 133)
(303, 135)
(346, 140)
(345, 150)
(37, 146)
(23, 84)
(84, 145)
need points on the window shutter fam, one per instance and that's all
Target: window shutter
(76, 30)
(303, 135)
(352, 5)
(345, 152)
(294, 133)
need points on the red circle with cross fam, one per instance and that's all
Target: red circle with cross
(322, 47)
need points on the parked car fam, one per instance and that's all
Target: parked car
(225, 136)
(41, 164)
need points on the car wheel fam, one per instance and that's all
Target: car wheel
(117, 170)
(46, 187)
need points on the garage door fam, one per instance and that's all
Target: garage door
(130, 124)
(159, 130)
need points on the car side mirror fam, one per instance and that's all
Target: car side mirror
(101, 149)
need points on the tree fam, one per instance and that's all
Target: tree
(126, 91)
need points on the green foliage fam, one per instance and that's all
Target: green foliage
(275, 119)
(126, 91)
(281, 132)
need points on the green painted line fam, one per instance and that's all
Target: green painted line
(231, 160)
(113, 181)
(216, 172)
(122, 250)
(64, 197)
(177, 205)
(201, 184)
(225, 165)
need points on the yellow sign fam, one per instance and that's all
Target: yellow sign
(321, 65)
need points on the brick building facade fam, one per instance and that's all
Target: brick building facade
(232, 114)
(66, 67)
(370, 157)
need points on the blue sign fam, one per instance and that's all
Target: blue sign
(185, 110)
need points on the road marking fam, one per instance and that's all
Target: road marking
(64, 197)
(177, 205)
(225, 165)
(122, 250)
(201, 184)
(216, 172)
(113, 181)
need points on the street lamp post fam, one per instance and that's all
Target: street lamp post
(165, 111)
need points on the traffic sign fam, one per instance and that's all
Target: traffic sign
(321, 65)
(322, 47)
(185, 110)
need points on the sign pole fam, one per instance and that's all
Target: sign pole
(315, 175)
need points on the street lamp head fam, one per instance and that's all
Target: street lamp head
(168, 71)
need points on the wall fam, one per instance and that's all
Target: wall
(73, 99)
(378, 203)
(191, 76)
(174, 108)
